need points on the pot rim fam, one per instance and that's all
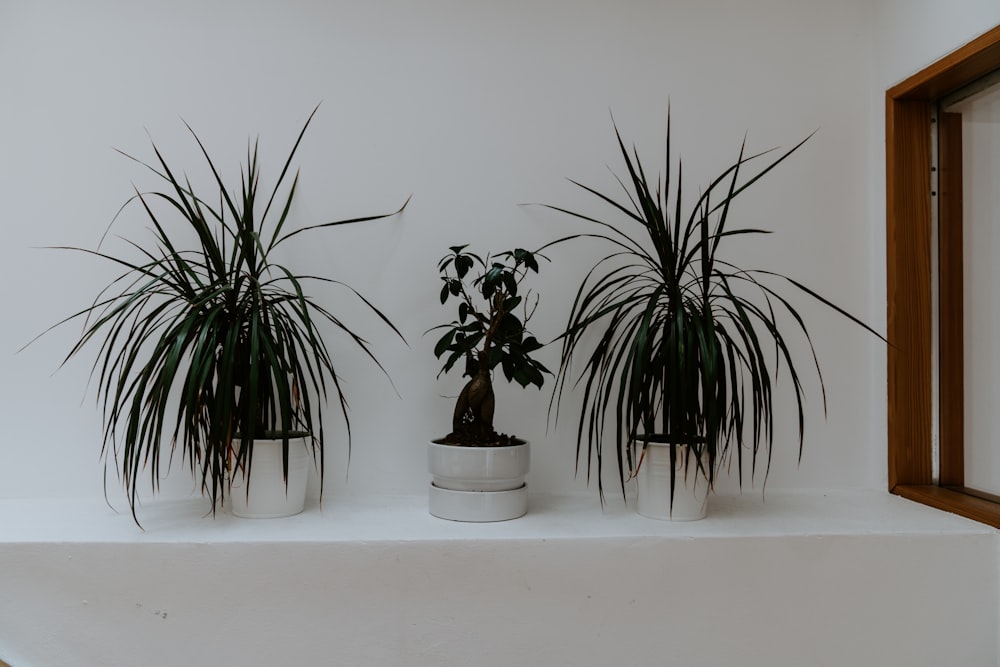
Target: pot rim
(277, 435)
(514, 442)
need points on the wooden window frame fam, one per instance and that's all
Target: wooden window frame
(909, 108)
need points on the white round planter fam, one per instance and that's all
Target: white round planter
(478, 483)
(269, 496)
(691, 494)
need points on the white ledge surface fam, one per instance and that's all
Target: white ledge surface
(799, 578)
(405, 518)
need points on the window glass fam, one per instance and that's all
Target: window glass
(981, 288)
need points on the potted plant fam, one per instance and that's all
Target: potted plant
(478, 473)
(681, 347)
(206, 342)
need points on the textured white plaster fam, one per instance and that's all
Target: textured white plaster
(808, 579)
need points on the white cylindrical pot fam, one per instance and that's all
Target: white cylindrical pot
(690, 496)
(478, 483)
(269, 497)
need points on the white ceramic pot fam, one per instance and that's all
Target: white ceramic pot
(269, 497)
(478, 483)
(690, 497)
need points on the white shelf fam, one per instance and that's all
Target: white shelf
(405, 518)
(378, 581)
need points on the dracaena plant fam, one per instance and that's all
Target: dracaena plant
(490, 331)
(678, 344)
(205, 341)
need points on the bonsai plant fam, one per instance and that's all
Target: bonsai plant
(211, 344)
(686, 346)
(478, 472)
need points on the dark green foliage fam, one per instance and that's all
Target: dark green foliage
(680, 346)
(488, 332)
(219, 331)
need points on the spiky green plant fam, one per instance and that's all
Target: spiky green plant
(208, 345)
(681, 346)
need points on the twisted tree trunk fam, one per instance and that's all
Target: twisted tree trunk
(473, 418)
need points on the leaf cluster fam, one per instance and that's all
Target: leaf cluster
(493, 313)
(688, 345)
(207, 346)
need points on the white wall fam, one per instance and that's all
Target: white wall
(473, 108)
(838, 578)
(914, 33)
(781, 603)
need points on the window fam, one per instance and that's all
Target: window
(969, 123)
(926, 418)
